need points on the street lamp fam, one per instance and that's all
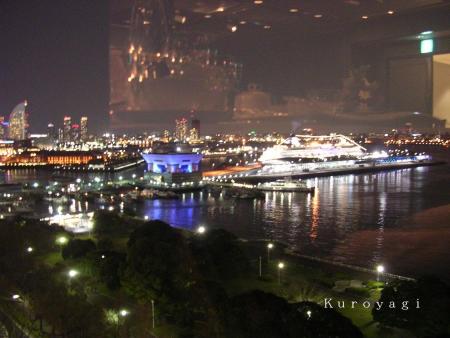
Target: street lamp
(201, 229)
(153, 313)
(270, 246)
(380, 270)
(280, 267)
(123, 313)
(72, 273)
(30, 249)
(15, 297)
(308, 313)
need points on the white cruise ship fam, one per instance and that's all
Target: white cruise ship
(306, 155)
(307, 148)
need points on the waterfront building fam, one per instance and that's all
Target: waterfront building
(175, 166)
(18, 122)
(45, 157)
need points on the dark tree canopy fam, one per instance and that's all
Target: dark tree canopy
(430, 320)
(77, 248)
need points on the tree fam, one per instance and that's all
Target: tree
(158, 265)
(260, 314)
(218, 255)
(429, 320)
(109, 268)
(77, 248)
(108, 223)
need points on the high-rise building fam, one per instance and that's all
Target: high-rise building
(166, 136)
(52, 132)
(67, 126)
(75, 132)
(195, 124)
(181, 129)
(193, 135)
(84, 128)
(18, 123)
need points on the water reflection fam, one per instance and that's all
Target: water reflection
(318, 224)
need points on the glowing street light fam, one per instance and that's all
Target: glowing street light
(123, 313)
(62, 240)
(380, 270)
(280, 267)
(15, 297)
(72, 273)
(201, 229)
(270, 246)
(308, 313)
(30, 249)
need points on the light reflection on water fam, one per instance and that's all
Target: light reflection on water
(322, 224)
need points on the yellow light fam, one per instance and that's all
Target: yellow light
(318, 16)
(364, 17)
(220, 9)
(390, 12)
(293, 10)
(258, 2)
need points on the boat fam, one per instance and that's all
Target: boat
(307, 155)
(285, 186)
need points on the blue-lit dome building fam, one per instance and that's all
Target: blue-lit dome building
(173, 165)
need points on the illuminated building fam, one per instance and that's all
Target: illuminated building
(193, 135)
(2, 127)
(83, 128)
(75, 133)
(166, 136)
(43, 157)
(67, 129)
(181, 129)
(173, 167)
(18, 123)
(195, 124)
(52, 132)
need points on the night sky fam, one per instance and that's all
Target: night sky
(54, 54)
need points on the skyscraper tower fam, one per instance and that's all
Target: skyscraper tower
(83, 129)
(181, 129)
(18, 122)
(52, 132)
(75, 133)
(67, 129)
(195, 124)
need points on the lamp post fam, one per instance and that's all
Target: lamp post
(270, 246)
(201, 230)
(72, 274)
(122, 314)
(153, 313)
(61, 241)
(30, 249)
(260, 266)
(380, 270)
(280, 267)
